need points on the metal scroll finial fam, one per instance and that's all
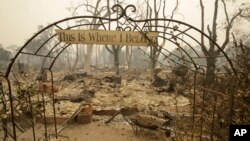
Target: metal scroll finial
(123, 11)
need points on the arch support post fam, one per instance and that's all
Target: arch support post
(11, 108)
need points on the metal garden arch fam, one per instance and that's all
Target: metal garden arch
(166, 33)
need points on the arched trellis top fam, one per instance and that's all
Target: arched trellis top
(122, 13)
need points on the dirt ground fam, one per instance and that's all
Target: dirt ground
(117, 130)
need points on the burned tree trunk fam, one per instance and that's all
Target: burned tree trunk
(210, 70)
(116, 61)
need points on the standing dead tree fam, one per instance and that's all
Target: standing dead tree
(114, 49)
(154, 10)
(220, 108)
(129, 54)
(211, 52)
(97, 10)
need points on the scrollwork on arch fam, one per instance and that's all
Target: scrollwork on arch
(127, 28)
(122, 12)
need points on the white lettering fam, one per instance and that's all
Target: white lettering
(243, 131)
(240, 132)
(237, 132)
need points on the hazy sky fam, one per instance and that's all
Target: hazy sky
(19, 18)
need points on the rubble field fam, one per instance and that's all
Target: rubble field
(113, 100)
